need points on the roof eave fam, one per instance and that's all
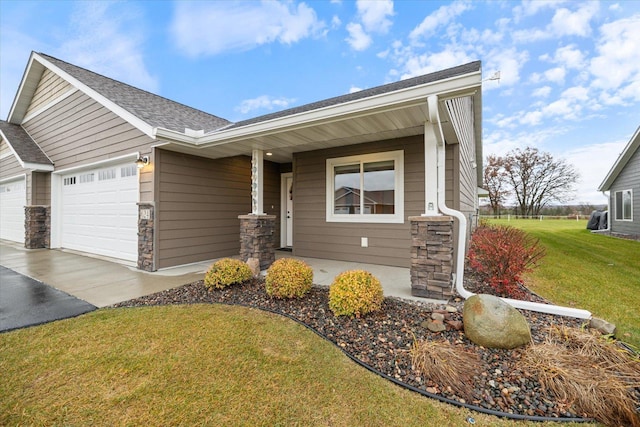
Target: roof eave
(621, 161)
(406, 97)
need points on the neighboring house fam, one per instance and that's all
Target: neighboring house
(623, 184)
(68, 176)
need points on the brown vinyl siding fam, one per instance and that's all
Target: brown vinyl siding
(49, 88)
(388, 243)
(199, 201)
(9, 168)
(78, 130)
(39, 188)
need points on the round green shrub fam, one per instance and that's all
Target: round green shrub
(225, 272)
(354, 293)
(288, 278)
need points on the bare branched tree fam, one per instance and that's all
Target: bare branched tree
(495, 182)
(537, 179)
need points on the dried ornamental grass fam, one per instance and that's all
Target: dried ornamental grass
(607, 352)
(288, 278)
(445, 364)
(594, 390)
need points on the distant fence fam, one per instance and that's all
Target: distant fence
(510, 217)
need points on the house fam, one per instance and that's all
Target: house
(623, 184)
(94, 165)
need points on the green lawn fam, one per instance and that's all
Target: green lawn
(199, 365)
(586, 270)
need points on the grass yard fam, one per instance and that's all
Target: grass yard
(586, 270)
(199, 365)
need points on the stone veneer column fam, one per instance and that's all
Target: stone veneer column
(146, 224)
(431, 256)
(37, 226)
(257, 238)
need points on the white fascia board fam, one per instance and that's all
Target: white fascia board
(39, 167)
(621, 162)
(5, 139)
(27, 77)
(139, 124)
(402, 98)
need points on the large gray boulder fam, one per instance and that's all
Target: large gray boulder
(491, 322)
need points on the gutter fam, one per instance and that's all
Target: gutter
(434, 117)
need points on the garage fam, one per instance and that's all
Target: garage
(99, 214)
(13, 197)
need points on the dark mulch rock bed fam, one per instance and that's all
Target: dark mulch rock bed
(383, 340)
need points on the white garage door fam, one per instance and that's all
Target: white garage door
(99, 211)
(13, 197)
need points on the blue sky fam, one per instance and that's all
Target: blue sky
(570, 71)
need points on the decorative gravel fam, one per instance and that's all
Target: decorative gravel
(382, 340)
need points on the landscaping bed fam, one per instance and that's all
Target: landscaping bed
(382, 340)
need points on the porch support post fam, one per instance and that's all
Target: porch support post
(257, 182)
(430, 170)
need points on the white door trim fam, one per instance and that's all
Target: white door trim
(284, 197)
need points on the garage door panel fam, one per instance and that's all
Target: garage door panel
(100, 214)
(12, 201)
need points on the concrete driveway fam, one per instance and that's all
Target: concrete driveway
(101, 282)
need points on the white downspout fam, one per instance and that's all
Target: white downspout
(434, 117)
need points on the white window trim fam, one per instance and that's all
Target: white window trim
(630, 190)
(397, 217)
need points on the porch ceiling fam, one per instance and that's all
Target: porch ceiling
(371, 126)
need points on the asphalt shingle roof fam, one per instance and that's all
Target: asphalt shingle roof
(366, 93)
(152, 109)
(25, 147)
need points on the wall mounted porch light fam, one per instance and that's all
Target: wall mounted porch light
(142, 161)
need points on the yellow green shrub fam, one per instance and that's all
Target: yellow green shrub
(354, 293)
(225, 272)
(288, 278)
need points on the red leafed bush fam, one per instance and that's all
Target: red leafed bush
(500, 255)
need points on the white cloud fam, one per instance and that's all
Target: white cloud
(569, 56)
(542, 92)
(437, 19)
(509, 61)
(532, 7)
(617, 64)
(353, 89)
(335, 22)
(358, 39)
(451, 56)
(593, 163)
(210, 28)
(264, 102)
(374, 15)
(108, 38)
(578, 23)
(564, 23)
(555, 75)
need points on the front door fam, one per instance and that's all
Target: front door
(287, 210)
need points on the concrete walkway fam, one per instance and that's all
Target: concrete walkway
(103, 282)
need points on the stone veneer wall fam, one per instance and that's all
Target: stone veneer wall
(431, 256)
(257, 238)
(146, 224)
(37, 226)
